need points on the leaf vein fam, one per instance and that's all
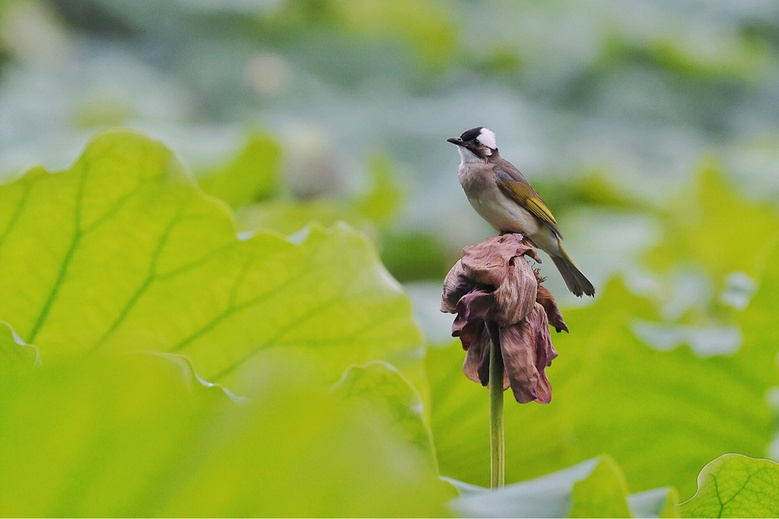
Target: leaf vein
(17, 214)
(150, 277)
(66, 260)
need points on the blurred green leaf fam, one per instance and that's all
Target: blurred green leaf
(290, 216)
(382, 202)
(253, 175)
(412, 256)
(712, 257)
(603, 493)
(101, 112)
(660, 415)
(122, 252)
(139, 435)
(713, 225)
(376, 208)
(381, 381)
(593, 488)
(735, 486)
(597, 188)
(426, 26)
(658, 502)
(721, 60)
(91, 438)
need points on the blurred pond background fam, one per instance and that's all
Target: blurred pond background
(343, 108)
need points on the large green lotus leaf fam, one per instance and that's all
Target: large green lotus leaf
(660, 414)
(593, 488)
(122, 252)
(735, 486)
(140, 435)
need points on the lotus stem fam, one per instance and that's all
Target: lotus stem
(497, 438)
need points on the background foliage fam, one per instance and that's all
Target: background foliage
(213, 326)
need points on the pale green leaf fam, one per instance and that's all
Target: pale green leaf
(735, 486)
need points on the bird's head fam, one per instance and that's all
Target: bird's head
(476, 144)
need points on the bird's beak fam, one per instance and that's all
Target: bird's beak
(457, 141)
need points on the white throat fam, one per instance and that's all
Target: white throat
(468, 157)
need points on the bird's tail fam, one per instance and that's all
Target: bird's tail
(576, 282)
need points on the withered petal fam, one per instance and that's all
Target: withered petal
(545, 352)
(469, 332)
(516, 295)
(477, 304)
(477, 359)
(518, 353)
(488, 262)
(527, 351)
(553, 313)
(456, 285)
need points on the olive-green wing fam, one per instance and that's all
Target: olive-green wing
(517, 188)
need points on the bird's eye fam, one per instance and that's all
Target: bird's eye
(476, 141)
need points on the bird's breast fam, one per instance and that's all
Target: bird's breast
(489, 201)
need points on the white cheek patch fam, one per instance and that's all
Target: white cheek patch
(487, 137)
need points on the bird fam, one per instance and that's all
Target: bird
(503, 197)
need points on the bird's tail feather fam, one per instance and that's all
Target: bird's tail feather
(576, 282)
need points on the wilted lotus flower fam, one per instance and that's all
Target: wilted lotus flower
(493, 290)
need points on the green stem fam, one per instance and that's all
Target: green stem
(497, 441)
